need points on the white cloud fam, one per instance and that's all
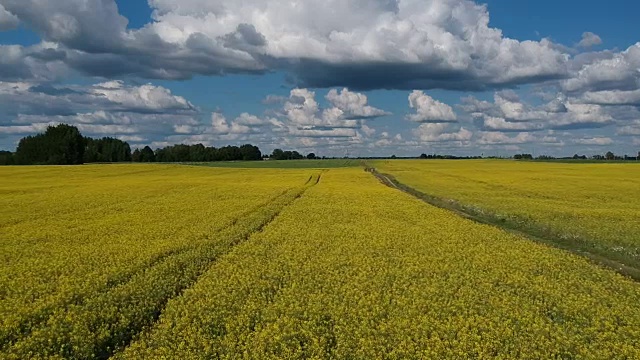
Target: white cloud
(324, 44)
(612, 97)
(508, 113)
(368, 130)
(631, 128)
(428, 109)
(440, 132)
(589, 39)
(353, 105)
(303, 112)
(500, 124)
(499, 138)
(8, 21)
(142, 98)
(617, 71)
(250, 120)
(597, 141)
(109, 109)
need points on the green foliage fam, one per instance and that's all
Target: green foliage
(6, 158)
(106, 150)
(59, 145)
(279, 154)
(199, 153)
(147, 155)
(523, 157)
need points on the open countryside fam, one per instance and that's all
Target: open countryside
(319, 180)
(178, 261)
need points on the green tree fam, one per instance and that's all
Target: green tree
(136, 156)
(59, 145)
(6, 158)
(250, 153)
(609, 155)
(277, 154)
(147, 155)
(311, 156)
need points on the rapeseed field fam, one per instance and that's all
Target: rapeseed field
(594, 207)
(178, 262)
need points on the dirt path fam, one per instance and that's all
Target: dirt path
(536, 234)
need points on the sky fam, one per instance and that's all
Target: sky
(338, 77)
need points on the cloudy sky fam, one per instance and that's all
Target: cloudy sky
(336, 77)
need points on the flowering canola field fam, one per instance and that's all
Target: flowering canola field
(595, 206)
(173, 262)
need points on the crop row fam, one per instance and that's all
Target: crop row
(355, 270)
(88, 303)
(593, 207)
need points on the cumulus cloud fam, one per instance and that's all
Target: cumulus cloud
(631, 128)
(363, 44)
(107, 109)
(220, 125)
(304, 116)
(441, 132)
(428, 109)
(615, 71)
(508, 113)
(145, 98)
(353, 105)
(589, 39)
(596, 141)
(612, 97)
(499, 138)
(41, 62)
(114, 96)
(8, 21)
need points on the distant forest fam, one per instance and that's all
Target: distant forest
(64, 145)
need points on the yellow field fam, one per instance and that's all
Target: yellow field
(595, 205)
(145, 262)
(111, 244)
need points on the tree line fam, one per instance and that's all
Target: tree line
(197, 153)
(64, 145)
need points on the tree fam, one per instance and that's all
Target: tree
(250, 153)
(423, 156)
(136, 156)
(147, 155)
(106, 150)
(609, 155)
(311, 156)
(59, 145)
(277, 154)
(6, 158)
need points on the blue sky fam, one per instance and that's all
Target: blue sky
(361, 77)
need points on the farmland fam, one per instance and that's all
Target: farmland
(172, 261)
(590, 207)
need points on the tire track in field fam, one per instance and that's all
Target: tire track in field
(99, 326)
(272, 291)
(245, 237)
(37, 318)
(538, 234)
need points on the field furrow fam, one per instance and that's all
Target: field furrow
(356, 270)
(72, 268)
(106, 323)
(586, 208)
